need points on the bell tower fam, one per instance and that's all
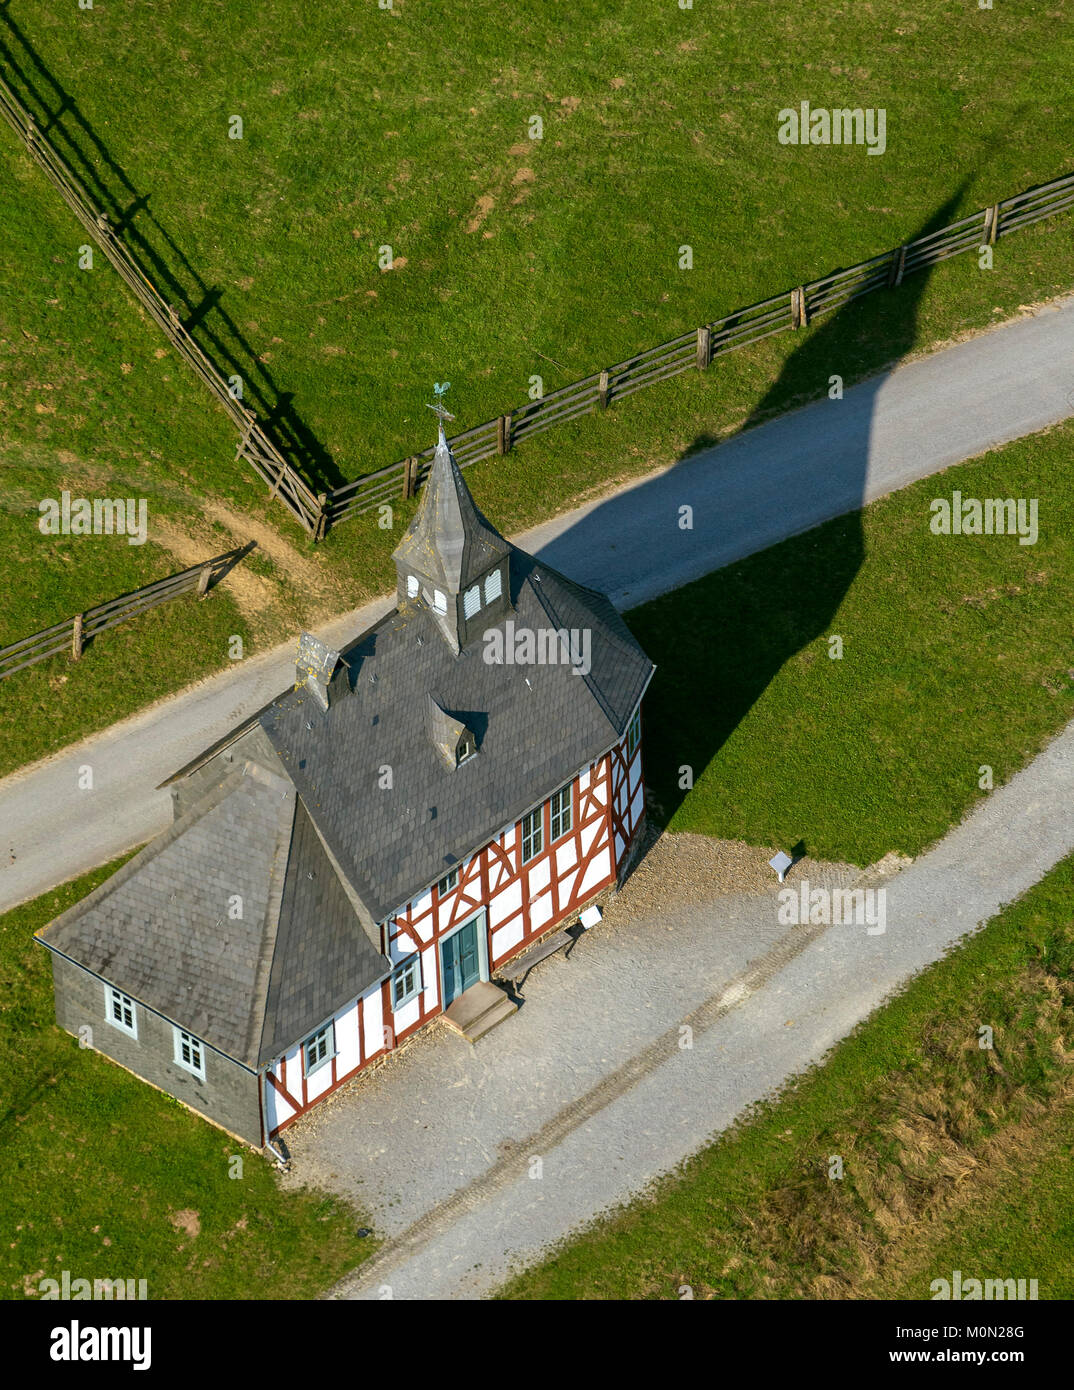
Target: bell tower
(452, 559)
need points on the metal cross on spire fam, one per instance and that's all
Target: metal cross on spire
(440, 410)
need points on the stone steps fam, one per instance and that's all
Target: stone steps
(478, 1011)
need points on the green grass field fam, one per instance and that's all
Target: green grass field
(409, 127)
(109, 1178)
(955, 1157)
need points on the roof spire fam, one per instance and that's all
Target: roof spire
(451, 555)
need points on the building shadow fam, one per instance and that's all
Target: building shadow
(160, 257)
(717, 647)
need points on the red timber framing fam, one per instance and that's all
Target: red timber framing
(521, 901)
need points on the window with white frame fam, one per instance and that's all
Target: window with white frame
(493, 585)
(633, 737)
(471, 601)
(532, 834)
(319, 1049)
(560, 813)
(120, 1011)
(412, 586)
(465, 749)
(447, 883)
(189, 1052)
(406, 982)
(439, 601)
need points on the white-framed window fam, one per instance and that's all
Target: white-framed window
(412, 586)
(560, 813)
(471, 601)
(406, 982)
(493, 584)
(466, 749)
(319, 1049)
(439, 601)
(633, 736)
(121, 1011)
(448, 883)
(189, 1052)
(532, 834)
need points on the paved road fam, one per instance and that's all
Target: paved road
(807, 989)
(769, 483)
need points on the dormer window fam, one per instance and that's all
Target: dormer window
(493, 586)
(452, 739)
(439, 601)
(412, 586)
(471, 601)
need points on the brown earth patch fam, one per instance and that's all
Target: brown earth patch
(482, 208)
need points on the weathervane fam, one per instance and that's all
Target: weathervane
(439, 409)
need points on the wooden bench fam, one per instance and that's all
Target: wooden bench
(516, 970)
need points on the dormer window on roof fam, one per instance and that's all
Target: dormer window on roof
(454, 742)
(412, 586)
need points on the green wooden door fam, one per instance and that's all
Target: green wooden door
(461, 961)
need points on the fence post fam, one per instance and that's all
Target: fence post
(704, 348)
(410, 475)
(898, 265)
(503, 434)
(993, 223)
(203, 580)
(321, 529)
(76, 638)
(602, 392)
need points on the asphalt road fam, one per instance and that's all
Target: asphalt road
(769, 483)
(806, 989)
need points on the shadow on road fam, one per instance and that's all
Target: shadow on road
(718, 654)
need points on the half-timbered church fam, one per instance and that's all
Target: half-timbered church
(378, 844)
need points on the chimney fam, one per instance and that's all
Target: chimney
(314, 666)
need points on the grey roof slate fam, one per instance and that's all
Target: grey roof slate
(159, 928)
(535, 726)
(323, 956)
(449, 538)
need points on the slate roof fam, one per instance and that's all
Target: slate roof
(327, 820)
(449, 539)
(535, 727)
(160, 931)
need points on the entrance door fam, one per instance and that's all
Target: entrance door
(460, 960)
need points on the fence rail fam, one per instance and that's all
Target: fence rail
(696, 350)
(793, 309)
(73, 634)
(254, 444)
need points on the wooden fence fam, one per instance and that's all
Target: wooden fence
(73, 634)
(254, 444)
(793, 309)
(696, 350)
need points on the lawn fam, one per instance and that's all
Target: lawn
(409, 127)
(956, 657)
(955, 1156)
(109, 1178)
